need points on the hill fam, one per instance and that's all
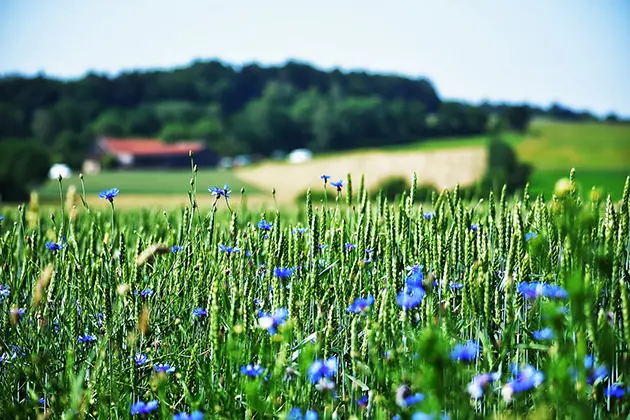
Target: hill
(600, 152)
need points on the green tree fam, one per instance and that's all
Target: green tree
(175, 132)
(503, 167)
(518, 117)
(109, 123)
(208, 129)
(71, 148)
(141, 122)
(24, 165)
(13, 121)
(45, 125)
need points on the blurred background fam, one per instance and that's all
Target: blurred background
(275, 94)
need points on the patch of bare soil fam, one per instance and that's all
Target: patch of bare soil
(439, 168)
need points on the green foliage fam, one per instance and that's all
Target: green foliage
(175, 132)
(109, 123)
(518, 117)
(260, 109)
(108, 161)
(252, 109)
(23, 165)
(504, 168)
(392, 188)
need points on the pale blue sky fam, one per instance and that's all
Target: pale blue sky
(576, 52)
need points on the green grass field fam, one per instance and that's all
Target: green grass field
(600, 153)
(146, 183)
(435, 144)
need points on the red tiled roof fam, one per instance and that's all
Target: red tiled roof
(149, 146)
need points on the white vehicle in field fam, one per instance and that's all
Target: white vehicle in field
(300, 156)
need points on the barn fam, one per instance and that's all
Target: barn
(136, 153)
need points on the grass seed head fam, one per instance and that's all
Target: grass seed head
(149, 253)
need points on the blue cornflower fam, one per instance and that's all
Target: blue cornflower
(530, 290)
(404, 397)
(195, 415)
(141, 407)
(363, 402)
(455, 286)
(350, 247)
(283, 273)
(252, 370)
(220, 192)
(594, 372)
(479, 382)
(410, 297)
(614, 391)
(52, 246)
(555, 292)
(109, 194)
(300, 231)
(264, 225)
(325, 177)
(148, 292)
(4, 291)
(199, 312)
(1, 218)
(272, 322)
(428, 215)
(140, 359)
(543, 335)
(18, 312)
(466, 352)
(56, 247)
(361, 304)
(412, 399)
(296, 414)
(87, 338)
(175, 249)
(474, 227)
(322, 369)
(338, 184)
(164, 367)
(229, 249)
(530, 235)
(526, 378)
(533, 290)
(415, 277)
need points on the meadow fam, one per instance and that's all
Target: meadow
(600, 152)
(502, 308)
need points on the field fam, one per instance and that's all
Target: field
(509, 309)
(600, 153)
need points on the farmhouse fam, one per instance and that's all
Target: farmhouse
(133, 153)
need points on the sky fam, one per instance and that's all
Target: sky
(575, 52)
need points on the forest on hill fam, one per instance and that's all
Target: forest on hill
(249, 109)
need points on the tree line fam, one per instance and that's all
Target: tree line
(242, 110)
